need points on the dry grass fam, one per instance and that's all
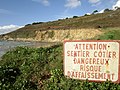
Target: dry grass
(69, 34)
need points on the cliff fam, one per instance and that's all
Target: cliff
(60, 35)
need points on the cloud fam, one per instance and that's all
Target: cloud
(8, 28)
(117, 4)
(72, 3)
(102, 11)
(44, 2)
(4, 11)
(94, 1)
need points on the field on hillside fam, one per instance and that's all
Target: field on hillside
(100, 21)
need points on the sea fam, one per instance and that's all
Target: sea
(6, 45)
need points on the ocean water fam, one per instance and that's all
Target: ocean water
(7, 45)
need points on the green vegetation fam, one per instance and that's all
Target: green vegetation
(37, 23)
(107, 10)
(51, 34)
(94, 12)
(75, 16)
(26, 68)
(110, 34)
(25, 33)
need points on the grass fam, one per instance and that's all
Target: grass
(109, 34)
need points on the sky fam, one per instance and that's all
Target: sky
(15, 13)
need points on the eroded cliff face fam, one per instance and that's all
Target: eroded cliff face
(60, 35)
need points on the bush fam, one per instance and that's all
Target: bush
(95, 11)
(66, 18)
(26, 68)
(75, 16)
(37, 23)
(107, 10)
(51, 34)
(28, 25)
(23, 67)
(87, 15)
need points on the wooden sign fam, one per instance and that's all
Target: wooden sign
(93, 60)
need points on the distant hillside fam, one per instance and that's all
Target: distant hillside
(69, 28)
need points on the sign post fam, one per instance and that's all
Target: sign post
(93, 60)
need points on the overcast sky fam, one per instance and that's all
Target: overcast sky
(21, 12)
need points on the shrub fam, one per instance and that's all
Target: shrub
(95, 11)
(107, 10)
(66, 18)
(28, 25)
(75, 16)
(26, 68)
(51, 34)
(37, 23)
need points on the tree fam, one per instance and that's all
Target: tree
(107, 10)
(87, 14)
(37, 23)
(75, 16)
(27, 24)
(67, 18)
(94, 12)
